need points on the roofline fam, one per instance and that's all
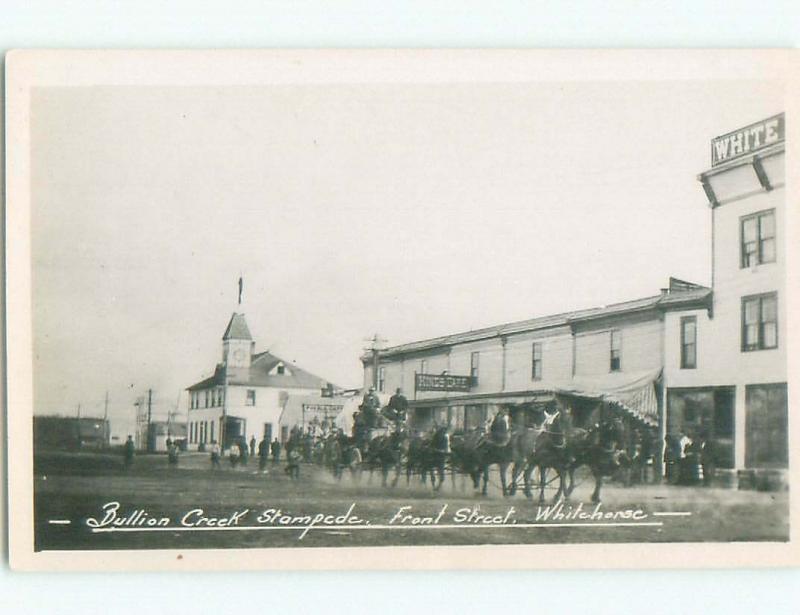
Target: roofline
(220, 376)
(743, 160)
(655, 303)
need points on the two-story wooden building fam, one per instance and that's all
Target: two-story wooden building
(582, 359)
(707, 362)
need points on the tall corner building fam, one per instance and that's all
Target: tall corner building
(726, 366)
(706, 361)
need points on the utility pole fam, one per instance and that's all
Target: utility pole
(149, 418)
(375, 349)
(106, 428)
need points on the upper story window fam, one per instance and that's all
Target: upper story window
(281, 369)
(474, 366)
(536, 366)
(382, 379)
(207, 398)
(615, 363)
(423, 367)
(760, 322)
(758, 239)
(689, 342)
(251, 397)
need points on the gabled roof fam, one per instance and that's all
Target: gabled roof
(237, 329)
(680, 294)
(259, 374)
(218, 379)
(294, 377)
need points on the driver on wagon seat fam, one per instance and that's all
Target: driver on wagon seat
(370, 407)
(397, 408)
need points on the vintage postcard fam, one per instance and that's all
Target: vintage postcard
(401, 309)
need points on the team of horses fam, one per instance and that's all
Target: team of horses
(549, 443)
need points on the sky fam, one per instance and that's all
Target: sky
(412, 211)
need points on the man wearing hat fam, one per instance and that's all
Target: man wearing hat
(370, 407)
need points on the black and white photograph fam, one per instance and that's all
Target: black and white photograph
(304, 302)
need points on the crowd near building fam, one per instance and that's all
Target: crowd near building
(249, 393)
(690, 360)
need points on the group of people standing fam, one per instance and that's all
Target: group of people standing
(240, 453)
(689, 458)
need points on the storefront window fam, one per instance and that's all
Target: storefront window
(766, 426)
(704, 412)
(455, 418)
(474, 416)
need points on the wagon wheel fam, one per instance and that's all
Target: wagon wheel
(552, 479)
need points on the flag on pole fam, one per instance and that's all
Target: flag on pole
(241, 285)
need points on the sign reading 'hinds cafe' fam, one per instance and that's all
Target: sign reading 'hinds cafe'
(748, 140)
(443, 382)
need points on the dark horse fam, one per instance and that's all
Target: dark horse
(387, 452)
(474, 454)
(428, 455)
(565, 450)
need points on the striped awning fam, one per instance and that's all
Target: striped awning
(634, 392)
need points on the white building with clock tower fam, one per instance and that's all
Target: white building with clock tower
(247, 394)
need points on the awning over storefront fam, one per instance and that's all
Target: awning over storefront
(633, 392)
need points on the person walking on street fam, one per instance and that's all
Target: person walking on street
(707, 459)
(252, 446)
(215, 455)
(130, 451)
(243, 456)
(263, 454)
(293, 466)
(276, 451)
(235, 454)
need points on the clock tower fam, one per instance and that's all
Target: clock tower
(237, 344)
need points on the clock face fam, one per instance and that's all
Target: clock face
(238, 355)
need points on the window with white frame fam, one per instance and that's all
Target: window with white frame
(536, 363)
(760, 322)
(474, 366)
(688, 342)
(757, 239)
(615, 363)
